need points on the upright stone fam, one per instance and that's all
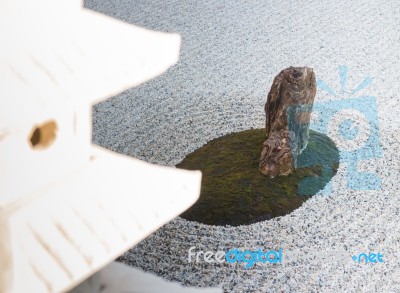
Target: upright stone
(287, 110)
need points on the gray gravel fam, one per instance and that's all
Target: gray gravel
(231, 51)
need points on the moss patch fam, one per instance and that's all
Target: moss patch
(235, 193)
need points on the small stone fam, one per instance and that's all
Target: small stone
(287, 110)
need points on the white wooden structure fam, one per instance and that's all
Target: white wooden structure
(68, 208)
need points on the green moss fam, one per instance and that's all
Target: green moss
(234, 192)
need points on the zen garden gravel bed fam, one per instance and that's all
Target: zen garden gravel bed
(230, 53)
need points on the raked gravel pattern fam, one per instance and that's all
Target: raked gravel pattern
(231, 51)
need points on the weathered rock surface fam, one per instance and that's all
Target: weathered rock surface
(287, 110)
